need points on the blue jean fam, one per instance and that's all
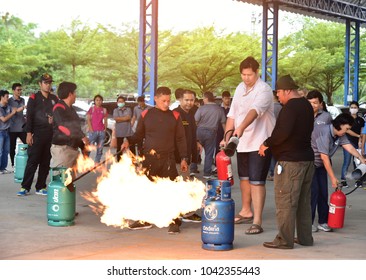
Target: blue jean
(97, 138)
(347, 158)
(4, 149)
(207, 138)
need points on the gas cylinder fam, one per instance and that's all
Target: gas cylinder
(224, 168)
(217, 232)
(60, 200)
(20, 162)
(337, 207)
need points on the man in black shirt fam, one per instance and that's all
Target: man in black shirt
(290, 143)
(163, 133)
(67, 134)
(39, 136)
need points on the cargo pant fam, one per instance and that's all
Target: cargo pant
(293, 202)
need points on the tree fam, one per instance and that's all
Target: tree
(314, 56)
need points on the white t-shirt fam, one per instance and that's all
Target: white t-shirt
(259, 98)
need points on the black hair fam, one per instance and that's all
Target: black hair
(209, 95)
(342, 119)
(98, 96)
(121, 97)
(225, 94)
(354, 103)
(249, 62)
(315, 94)
(178, 93)
(3, 92)
(15, 85)
(65, 88)
(141, 98)
(163, 91)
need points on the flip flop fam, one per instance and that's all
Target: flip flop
(239, 219)
(254, 229)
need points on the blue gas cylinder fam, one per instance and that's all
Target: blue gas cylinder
(217, 230)
(60, 200)
(20, 162)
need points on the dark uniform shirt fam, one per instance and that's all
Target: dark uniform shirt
(190, 129)
(66, 126)
(162, 131)
(287, 142)
(38, 110)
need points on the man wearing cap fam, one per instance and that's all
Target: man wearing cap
(290, 143)
(39, 136)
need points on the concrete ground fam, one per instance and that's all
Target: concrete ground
(25, 234)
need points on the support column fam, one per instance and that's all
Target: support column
(270, 43)
(352, 61)
(148, 48)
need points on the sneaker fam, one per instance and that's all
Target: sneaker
(194, 218)
(41, 192)
(192, 174)
(207, 177)
(139, 225)
(22, 192)
(314, 228)
(344, 184)
(5, 171)
(324, 227)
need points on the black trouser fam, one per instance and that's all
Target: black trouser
(160, 166)
(13, 143)
(39, 156)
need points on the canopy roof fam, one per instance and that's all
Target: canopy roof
(332, 10)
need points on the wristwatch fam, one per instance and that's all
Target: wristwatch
(265, 143)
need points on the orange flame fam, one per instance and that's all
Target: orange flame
(125, 193)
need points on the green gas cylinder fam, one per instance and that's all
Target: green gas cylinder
(20, 162)
(60, 200)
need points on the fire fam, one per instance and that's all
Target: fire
(125, 193)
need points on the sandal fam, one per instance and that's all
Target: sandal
(239, 219)
(254, 229)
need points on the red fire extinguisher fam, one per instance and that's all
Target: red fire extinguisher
(224, 169)
(337, 208)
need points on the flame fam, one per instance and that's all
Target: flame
(125, 193)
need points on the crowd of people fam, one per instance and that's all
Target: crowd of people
(285, 135)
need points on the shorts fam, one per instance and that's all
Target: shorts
(253, 167)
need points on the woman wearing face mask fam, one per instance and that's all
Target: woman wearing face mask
(122, 115)
(354, 136)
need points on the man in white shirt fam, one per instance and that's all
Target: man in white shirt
(251, 118)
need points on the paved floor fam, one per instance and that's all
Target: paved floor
(25, 234)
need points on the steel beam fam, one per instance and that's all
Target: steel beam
(148, 48)
(270, 43)
(352, 61)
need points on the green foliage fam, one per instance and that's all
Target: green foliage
(104, 59)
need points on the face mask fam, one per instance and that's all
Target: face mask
(120, 105)
(353, 111)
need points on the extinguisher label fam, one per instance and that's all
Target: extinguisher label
(332, 209)
(229, 171)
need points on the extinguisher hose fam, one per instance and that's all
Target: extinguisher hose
(71, 187)
(352, 190)
(231, 131)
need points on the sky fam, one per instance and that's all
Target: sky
(176, 15)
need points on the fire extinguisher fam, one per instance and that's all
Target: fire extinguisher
(337, 208)
(224, 169)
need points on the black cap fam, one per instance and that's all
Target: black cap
(286, 82)
(46, 78)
